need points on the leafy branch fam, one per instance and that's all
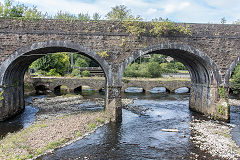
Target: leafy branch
(1, 96)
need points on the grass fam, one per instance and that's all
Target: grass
(91, 126)
(17, 146)
(101, 121)
(79, 134)
(55, 144)
(17, 141)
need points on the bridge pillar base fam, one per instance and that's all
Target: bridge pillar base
(12, 103)
(114, 103)
(206, 100)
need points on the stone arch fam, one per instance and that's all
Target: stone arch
(202, 68)
(77, 89)
(23, 57)
(13, 68)
(229, 71)
(205, 75)
(41, 88)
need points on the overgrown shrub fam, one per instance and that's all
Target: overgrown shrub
(76, 73)
(236, 80)
(53, 72)
(85, 73)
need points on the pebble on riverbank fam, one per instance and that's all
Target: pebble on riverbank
(49, 134)
(214, 138)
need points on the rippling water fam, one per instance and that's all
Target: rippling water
(138, 136)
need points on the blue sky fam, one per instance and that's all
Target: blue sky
(190, 11)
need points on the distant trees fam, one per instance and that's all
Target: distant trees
(59, 64)
(80, 16)
(119, 13)
(56, 64)
(236, 80)
(153, 67)
(7, 9)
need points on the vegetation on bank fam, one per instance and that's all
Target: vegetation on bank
(235, 80)
(48, 134)
(153, 67)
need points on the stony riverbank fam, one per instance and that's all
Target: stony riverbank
(214, 138)
(60, 120)
(48, 134)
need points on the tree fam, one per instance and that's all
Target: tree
(223, 20)
(236, 80)
(20, 10)
(96, 17)
(83, 17)
(118, 13)
(58, 61)
(81, 63)
(65, 16)
(154, 69)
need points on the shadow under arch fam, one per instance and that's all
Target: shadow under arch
(13, 68)
(204, 73)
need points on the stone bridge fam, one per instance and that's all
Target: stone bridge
(97, 83)
(210, 54)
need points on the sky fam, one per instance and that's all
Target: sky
(189, 11)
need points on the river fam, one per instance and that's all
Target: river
(138, 136)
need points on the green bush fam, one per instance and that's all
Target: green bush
(60, 61)
(81, 63)
(75, 73)
(154, 69)
(85, 73)
(236, 80)
(53, 72)
(41, 73)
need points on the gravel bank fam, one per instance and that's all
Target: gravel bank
(214, 138)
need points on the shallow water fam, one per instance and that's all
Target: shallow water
(138, 136)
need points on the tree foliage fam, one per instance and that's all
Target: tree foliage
(236, 80)
(58, 61)
(81, 63)
(118, 13)
(7, 9)
(153, 67)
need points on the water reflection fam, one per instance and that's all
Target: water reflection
(235, 120)
(19, 122)
(139, 137)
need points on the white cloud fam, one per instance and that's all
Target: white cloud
(151, 11)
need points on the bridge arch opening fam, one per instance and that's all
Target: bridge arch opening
(204, 73)
(182, 90)
(41, 89)
(159, 89)
(12, 70)
(134, 89)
